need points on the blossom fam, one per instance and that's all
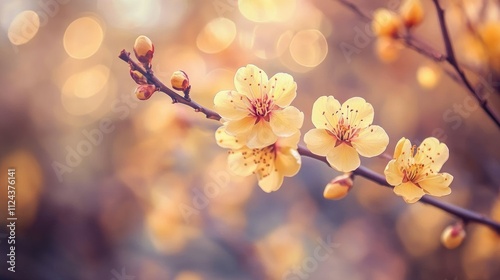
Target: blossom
(344, 131)
(414, 171)
(386, 23)
(258, 110)
(412, 12)
(270, 164)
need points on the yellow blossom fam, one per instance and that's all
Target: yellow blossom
(414, 171)
(270, 164)
(258, 110)
(344, 131)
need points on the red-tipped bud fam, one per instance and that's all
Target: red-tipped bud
(144, 92)
(144, 50)
(138, 77)
(338, 187)
(453, 236)
(180, 80)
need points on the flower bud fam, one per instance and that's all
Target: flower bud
(387, 49)
(180, 80)
(144, 92)
(138, 77)
(453, 236)
(144, 50)
(386, 23)
(338, 187)
(412, 12)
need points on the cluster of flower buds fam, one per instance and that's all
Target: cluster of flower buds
(338, 187)
(453, 235)
(144, 51)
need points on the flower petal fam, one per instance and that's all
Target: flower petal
(402, 145)
(240, 128)
(242, 162)
(325, 112)
(392, 174)
(261, 135)
(319, 141)
(371, 141)
(271, 182)
(343, 158)
(231, 105)
(358, 112)
(226, 140)
(250, 81)
(290, 141)
(432, 152)
(437, 185)
(282, 89)
(288, 161)
(286, 122)
(409, 191)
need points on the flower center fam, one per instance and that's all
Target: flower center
(262, 107)
(344, 132)
(411, 172)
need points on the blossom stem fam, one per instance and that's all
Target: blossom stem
(176, 98)
(412, 43)
(464, 214)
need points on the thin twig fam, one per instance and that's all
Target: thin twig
(464, 214)
(176, 98)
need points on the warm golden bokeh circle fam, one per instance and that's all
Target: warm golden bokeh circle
(83, 37)
(24, 27)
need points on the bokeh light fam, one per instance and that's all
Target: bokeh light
(267, 10)
(24, 27)
(83, 37)
(309, 47)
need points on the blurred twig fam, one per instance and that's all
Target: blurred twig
(419, 46)
(464, 214)
(450, 57)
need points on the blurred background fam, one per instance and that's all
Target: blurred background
(111, 187)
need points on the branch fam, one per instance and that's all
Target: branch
(176, 98)
(422, 48)
(464, 214)
(454, 63)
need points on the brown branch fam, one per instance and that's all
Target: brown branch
(176, 98)
(464, 214)
(454, 63)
